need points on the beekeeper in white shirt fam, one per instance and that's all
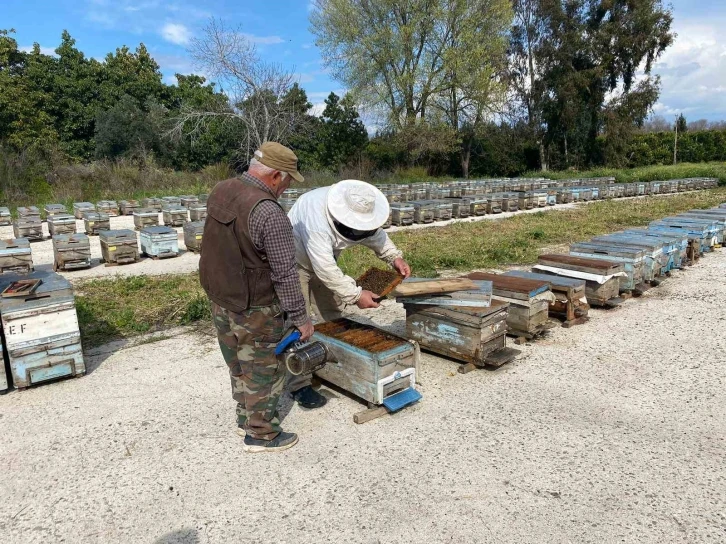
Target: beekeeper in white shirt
(326, 221)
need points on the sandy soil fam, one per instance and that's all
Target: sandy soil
(612, 431)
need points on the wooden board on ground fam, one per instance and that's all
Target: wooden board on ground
(410, 289)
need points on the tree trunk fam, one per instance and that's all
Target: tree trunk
(567, 157)
(542, 157)
(675, 146)
(465, 159)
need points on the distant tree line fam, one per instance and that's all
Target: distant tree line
(455, 87)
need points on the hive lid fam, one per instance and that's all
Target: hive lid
(117, 235)
(157, 230)
(53, 289)
(530, 287)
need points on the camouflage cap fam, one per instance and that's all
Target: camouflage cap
(279, 157)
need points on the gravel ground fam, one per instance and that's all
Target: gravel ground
(612, 431)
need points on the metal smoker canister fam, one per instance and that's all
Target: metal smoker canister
(307, 358)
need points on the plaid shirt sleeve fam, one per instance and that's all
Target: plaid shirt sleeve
(271, 232)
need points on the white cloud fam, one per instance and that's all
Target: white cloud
(44, 50)
(264, 40)
(693, 71)
(176, 33)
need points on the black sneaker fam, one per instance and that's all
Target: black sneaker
(307, 397)
(282, 441)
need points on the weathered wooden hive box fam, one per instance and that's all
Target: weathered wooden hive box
(174, 216)
(29, 227)
(454, 190)
(551, 197)
(5, 217)
(203, 199)
(442, 210)
(469, 334)
(656, 257)
(392, 196)
(144, 217)
(119, 246)
(71, 252)
(510, 202)
(193, 232)
(151, 203)
(700, 233)
(402, 214)
(61, 224)
(28, 211)
(55, 209)
(423, 211)
(586, 194)
(79, 208)
(108, 206)
(632, 258)
(387, 224)
(42, 338)
(570, 302)
(4, 382)
(564, 196)
(709, 215)
(675, 244)
(494, 203)
(95, 222)
(525, 200)
(478, 206)
(363, 358)
(715, 233)
(602, 278)
(693, 241)
(159, 242)
(631, 189)
(199, 213)
(460, 208)
(188, 200)
(170, 201)
(16, 256)
(127, 207)
(529, 302)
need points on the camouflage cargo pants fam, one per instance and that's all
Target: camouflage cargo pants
(248, 342)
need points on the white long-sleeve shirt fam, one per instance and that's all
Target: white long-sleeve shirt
(318, 244)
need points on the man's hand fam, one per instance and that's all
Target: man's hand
(402, 267)
(306, 330)
(367, 300)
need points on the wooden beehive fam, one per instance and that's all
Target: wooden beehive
(198, 213)
(528, 302)
(570, 302)
(71, 252)
(16, 256)
(159, 242)
(423, 211)
(119, 246)
(402, 214)
(79, 208)
(602, 277)
(510, 202)
(442, 210)
(28, 211)
(478, 206)
(632, 258)
(55, 209)
(151, 203)
(188, 200)
(525, 200)
(61, 224)
(170, 201)
(387, 224)
(494, 203)
(174, 216)
(203, 199)
(42, 338)
(95, 222)
(5, 217)
(460, 208)
(127, 207)
(361, 356)
(144, 217)
(29, 227)
(468, 334)
(109, 207)
(657, 259)
(193, 232)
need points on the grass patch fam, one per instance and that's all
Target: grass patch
(645, 173)
(121, 307)
(109, 309)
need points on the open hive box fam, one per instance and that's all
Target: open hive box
(369, 363)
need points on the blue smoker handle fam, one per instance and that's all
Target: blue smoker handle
(286, 342)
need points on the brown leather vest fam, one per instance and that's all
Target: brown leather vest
(233, 272)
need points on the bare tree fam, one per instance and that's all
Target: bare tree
(256, 90)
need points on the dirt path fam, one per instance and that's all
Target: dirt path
(613, 431)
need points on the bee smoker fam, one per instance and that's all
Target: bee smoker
(301, 357)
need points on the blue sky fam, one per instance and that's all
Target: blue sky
(693, 69)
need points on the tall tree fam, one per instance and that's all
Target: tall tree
(342, 134)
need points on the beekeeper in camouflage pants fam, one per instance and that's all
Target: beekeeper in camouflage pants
(248, 271)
